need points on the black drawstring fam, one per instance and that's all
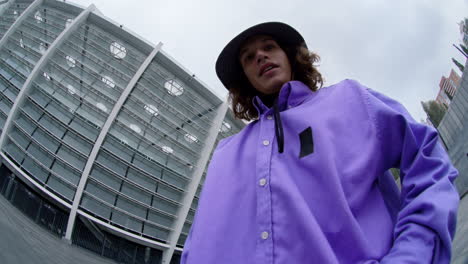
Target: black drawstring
(278, 127)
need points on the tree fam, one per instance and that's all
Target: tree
(459, 65)
(396, 173)
(463, 47)
(435, 111)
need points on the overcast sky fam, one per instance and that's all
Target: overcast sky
(398, 47)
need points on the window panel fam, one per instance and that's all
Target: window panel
(160, 219)
(106, 178)
(99, 191)
(45, 140)
(72, 158)
(156, 232)
(164, 205)
(112, 163)
(66, 172)
(126, 221)
(32, 110)
(147, 165)
(41, 155)
(84, 129)
(136, 193)
(52, 126)
(59, 112)
(169, 192)
(78, 143)
(131, 207)
(20, 138)
(141, 179)
(113, 146)
(60, 187)
(35, 170)
(95, 206)
(14, 152)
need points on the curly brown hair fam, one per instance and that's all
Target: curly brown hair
(303, 67)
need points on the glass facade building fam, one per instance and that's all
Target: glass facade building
(453, 130)
(106, 126)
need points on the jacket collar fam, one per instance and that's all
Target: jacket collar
(292, 94)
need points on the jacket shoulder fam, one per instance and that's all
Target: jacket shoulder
(225, 142)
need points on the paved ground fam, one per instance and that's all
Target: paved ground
(460, 243)
(24, 242)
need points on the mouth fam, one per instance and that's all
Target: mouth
(266, 68)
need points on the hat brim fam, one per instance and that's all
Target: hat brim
(228, 67)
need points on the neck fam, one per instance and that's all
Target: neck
(269, 99)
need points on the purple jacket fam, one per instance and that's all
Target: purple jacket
(328, 197)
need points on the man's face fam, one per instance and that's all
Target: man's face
(265, 64)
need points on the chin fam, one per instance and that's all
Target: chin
(273, 85)
(276, 86)
(273, 90)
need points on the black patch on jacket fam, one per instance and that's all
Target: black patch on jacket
(307, 142)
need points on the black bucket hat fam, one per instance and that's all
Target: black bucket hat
(228, 67)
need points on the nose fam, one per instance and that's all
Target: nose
(260, 56)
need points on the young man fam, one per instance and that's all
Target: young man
(308, 180)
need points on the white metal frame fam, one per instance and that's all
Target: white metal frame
(28, 11)
(102, 135)
(193, 185)
(38, 68)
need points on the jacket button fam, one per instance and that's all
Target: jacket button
(265, 235)
(269, 117)
(262, 182)
(266, 142)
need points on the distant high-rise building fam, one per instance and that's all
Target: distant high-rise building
(448, 87)
(464, 30)
(453, 130)
(104, 136)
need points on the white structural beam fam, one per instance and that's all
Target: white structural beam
(102, 135)
(28, 11)
(39, 66)
(193, 185)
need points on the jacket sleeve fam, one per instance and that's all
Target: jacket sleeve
(426, 220)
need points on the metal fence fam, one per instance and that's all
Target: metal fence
(31, 204)
(113, 247)
(85, 234)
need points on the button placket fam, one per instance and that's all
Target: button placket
(264, 206)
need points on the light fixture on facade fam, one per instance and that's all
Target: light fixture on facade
(70, 61)
(152, 110)
(118, 50)
(225, 127)
(190, 138)
(108, 81)
(174, 88)
(167, 149)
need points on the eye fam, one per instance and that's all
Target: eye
(248, 57)
(269, 47)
